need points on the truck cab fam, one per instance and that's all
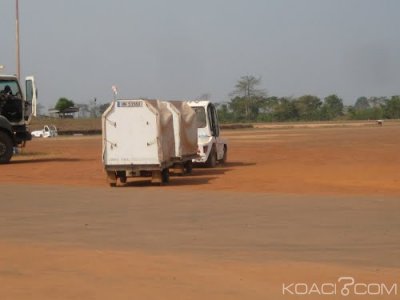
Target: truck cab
(16, 112)
(211, 147)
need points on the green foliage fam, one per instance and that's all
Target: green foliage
(373, 113)
(332, 108)
(361, 103)
(64, 103)
(247, 98)
(308, 107)
(224, 115)
(392, 108)
(250, 104)
(285, 110)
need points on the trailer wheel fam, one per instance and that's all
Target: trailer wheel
(165, 176)
(122, 177)
(112, 178)
(189, 167)
(212, 159)
(6, 148)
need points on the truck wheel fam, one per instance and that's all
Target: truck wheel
(212, 158)
(6, 148)
(165, 176)
(225, 157)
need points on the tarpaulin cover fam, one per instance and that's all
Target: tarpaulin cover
(186, 145)
(166, 141)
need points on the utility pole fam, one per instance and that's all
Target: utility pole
(17, 40)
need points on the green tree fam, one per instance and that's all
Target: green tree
(285, 110)
(245, 110)
(247, 94)
(362, 103)
(332, 107)
(224, 114)
(392, 108)
(64, 103)
(373, 113)
(308, 107)
(238, 107)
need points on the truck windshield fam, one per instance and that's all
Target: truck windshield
(10, 87)
(200, 116)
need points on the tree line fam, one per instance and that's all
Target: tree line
(250, 104)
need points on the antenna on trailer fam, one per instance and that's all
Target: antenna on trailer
(115, 92)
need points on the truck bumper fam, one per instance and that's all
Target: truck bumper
(21, 137)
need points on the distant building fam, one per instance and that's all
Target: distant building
(68, 113)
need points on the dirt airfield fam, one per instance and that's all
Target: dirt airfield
(307, 205)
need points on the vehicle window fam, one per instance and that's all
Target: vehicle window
(12, 84)
(200, 117)
(211, 119)
(215, 121)
(29, 90)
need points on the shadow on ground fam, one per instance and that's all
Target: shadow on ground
(174, 181)
(200, 175)
(43, 160)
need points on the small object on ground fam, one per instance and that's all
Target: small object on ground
(47, 131)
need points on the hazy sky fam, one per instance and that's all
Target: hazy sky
(182, 49)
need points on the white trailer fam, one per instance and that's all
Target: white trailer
(138, 140)
(185, 135)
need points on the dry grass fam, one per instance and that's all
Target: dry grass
(94, 124)
(67, 124)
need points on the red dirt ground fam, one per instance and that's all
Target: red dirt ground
(293, 205)
(346, 161)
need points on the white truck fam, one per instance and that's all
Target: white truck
(16, 112)
(211, 147)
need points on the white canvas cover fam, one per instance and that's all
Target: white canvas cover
(185, 128)
(165, 128)
(137, 132)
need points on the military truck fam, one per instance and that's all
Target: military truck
(16, 111)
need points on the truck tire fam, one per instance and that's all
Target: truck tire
(6, 148)
(225, 157)
(212, 158)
